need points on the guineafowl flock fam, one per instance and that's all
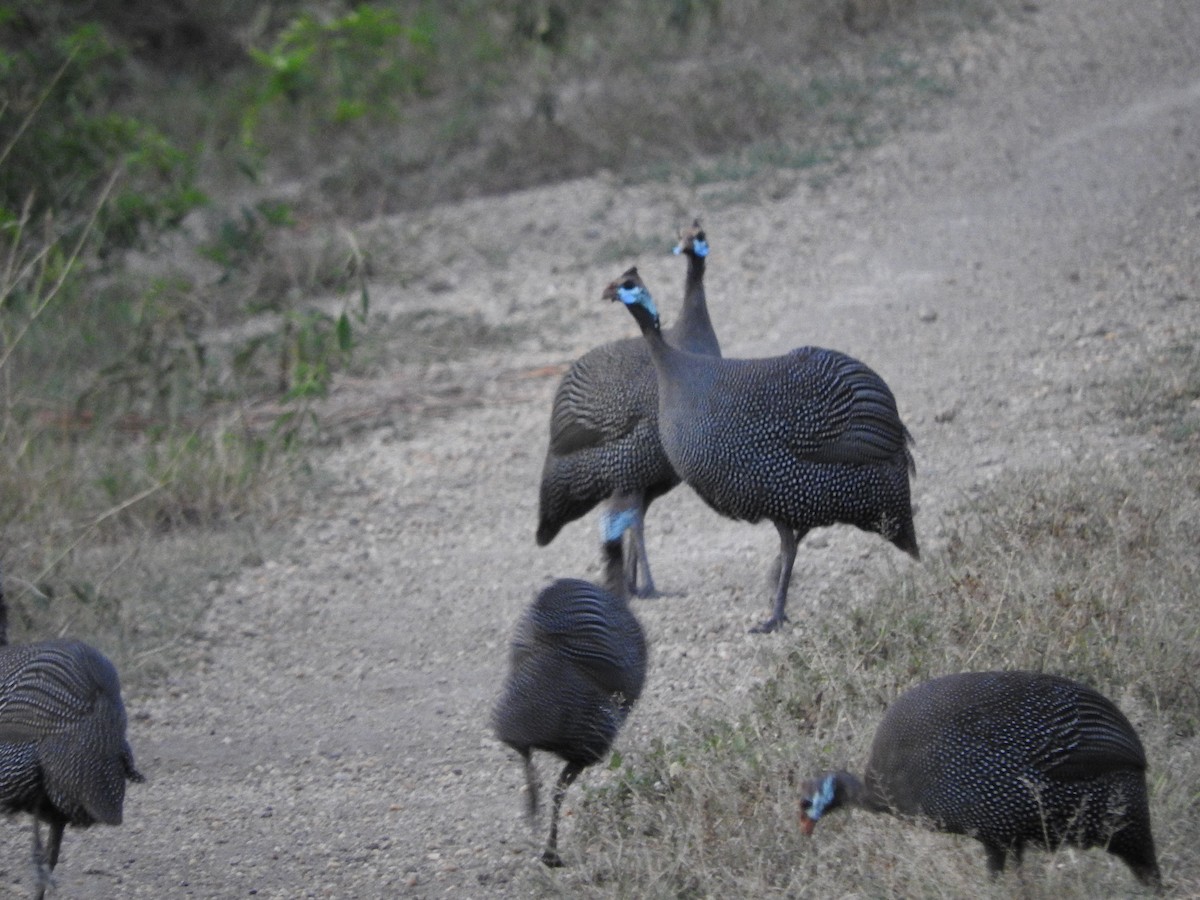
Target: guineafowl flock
(807, 439)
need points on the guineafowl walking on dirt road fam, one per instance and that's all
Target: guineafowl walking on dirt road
(577, 667)
(1009, 758)
(806, 439)
(604, 425)
(64, 758)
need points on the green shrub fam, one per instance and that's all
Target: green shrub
(364, 63)
(62, 139)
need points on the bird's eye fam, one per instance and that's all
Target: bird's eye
(628, 285)
(699, 236)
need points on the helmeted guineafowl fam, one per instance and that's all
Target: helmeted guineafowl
(806, 439)
(64, 758)
(604, 425)
(577, 667)
(1009, 758)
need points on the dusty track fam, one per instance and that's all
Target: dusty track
(333, 740)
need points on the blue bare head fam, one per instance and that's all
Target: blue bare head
(630, 291)
(694, 240)
(819, 802)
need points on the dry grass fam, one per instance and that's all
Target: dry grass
(140, 601)
(1090, 572)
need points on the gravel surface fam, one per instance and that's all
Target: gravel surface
(997, 269)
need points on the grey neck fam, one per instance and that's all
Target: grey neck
(694, 331)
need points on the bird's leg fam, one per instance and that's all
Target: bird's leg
(55, 843)
(629, 549)
(45, 859)
(635, 545)
(997, 856)
(531, 781)
(1017, 853)
(789, 539)
(569, 773)
(637, 536)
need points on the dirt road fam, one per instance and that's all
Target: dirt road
(332, 740)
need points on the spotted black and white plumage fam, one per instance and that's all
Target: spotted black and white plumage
(64, 757)
(1009, 758)
(807, 439)
(604, 443)
(577, 667)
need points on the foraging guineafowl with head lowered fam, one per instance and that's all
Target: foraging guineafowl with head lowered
(64, 758)
(577, 667)
(806, 439)
(604, 425)
(1009, 758)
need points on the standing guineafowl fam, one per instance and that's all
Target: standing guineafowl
(604, 425)
(64, 758)
(1009, 758)
(577, 667)
(806, 439)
